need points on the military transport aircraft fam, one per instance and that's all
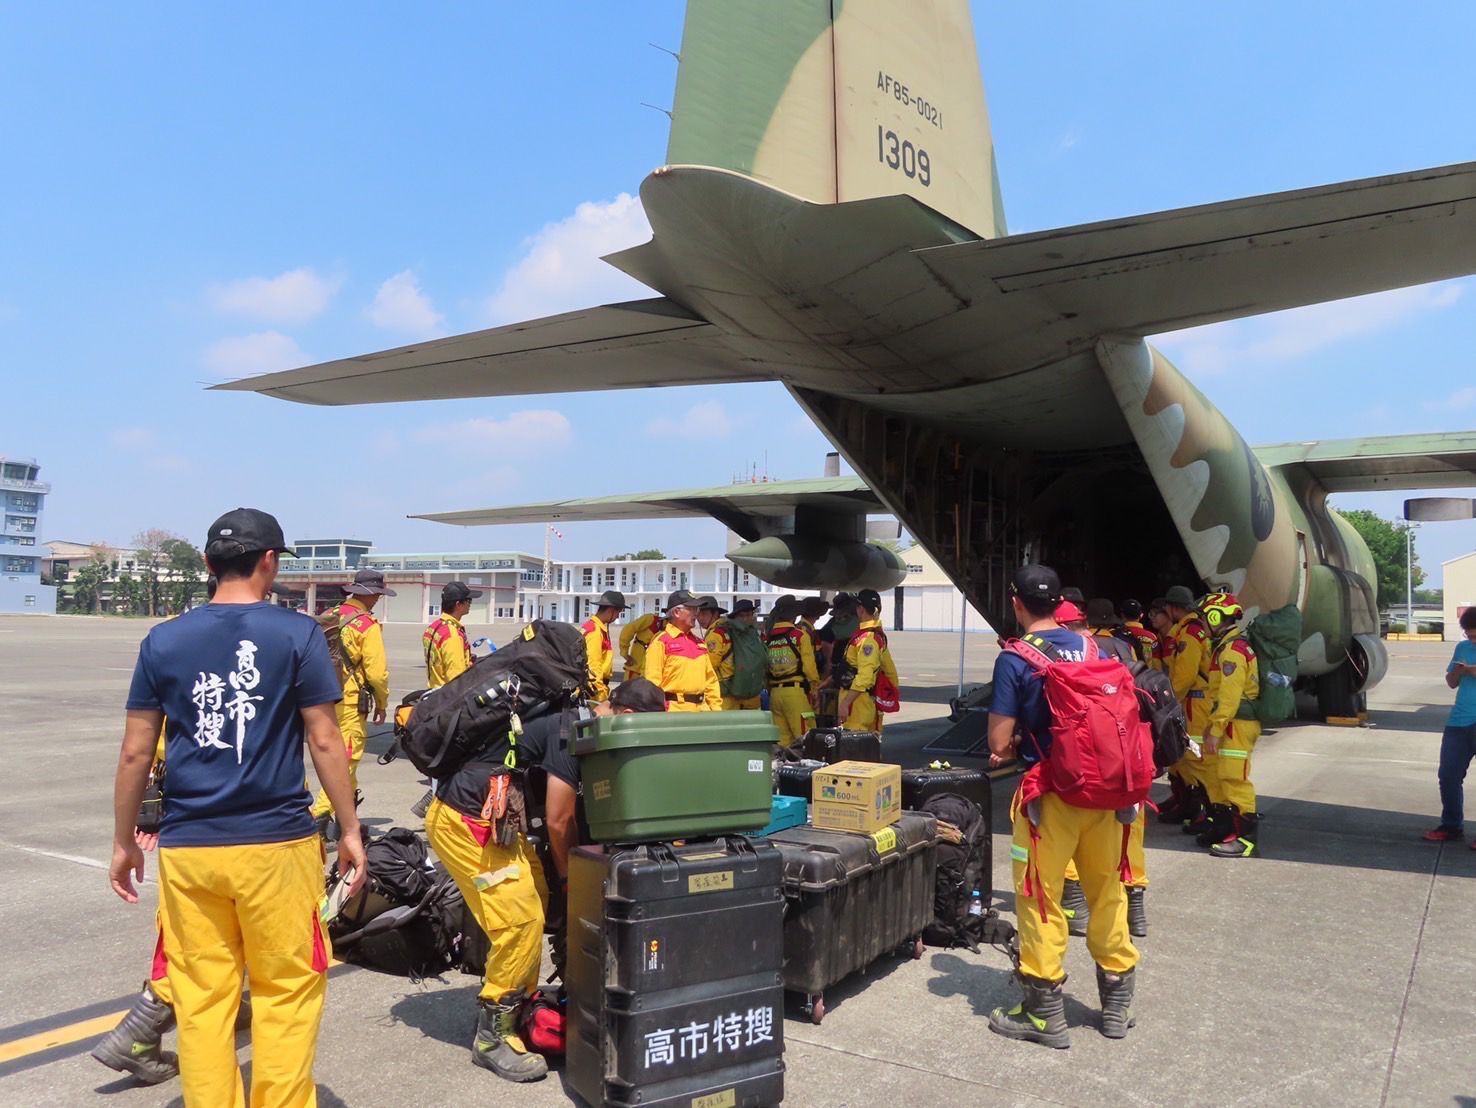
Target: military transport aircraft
(830, 217)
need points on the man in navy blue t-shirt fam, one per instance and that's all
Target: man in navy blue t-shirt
(1049, 834)
(242, 683)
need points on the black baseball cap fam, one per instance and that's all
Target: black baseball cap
(681, 599)
(245, 531)
(454, 592)
(639, 695)
(869, 599)
(1035, 582)
(369, 582)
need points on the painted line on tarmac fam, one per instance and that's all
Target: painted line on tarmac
(92, 863)
(39, 1042)
(1357, 758)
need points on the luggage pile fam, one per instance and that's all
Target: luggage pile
(676, 920)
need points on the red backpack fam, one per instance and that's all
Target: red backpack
(1101, 753)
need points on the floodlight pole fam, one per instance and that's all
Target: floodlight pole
(1409, 626)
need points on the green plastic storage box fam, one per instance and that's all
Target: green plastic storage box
(652, 777)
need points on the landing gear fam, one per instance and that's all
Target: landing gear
(1337, 694)
(815, 1007)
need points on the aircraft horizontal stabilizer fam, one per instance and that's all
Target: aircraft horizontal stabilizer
(636, 344)
(1149, 274)
(738, 507)
(1434, 461)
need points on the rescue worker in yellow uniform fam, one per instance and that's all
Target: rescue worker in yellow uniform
(1106, 627)
(1194, 779)
(1048, 834)
(597, 645)
(1235, 676)
(635, 637)
(867, 655)
(447, 651)
(678, 662)
(792, 676)
(1132, 623)
(712, 626)
(365, 678)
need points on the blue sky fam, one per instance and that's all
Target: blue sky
(189, 195)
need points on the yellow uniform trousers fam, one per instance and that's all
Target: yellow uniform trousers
(354, 727)
(790, 706)
(742, 703)
(697, 705)
(863, 715)
(498, 883)
(159, 971)
(1234, 763)
(1094, 839)
(1203, 770)
(253, 907)
(1137, 859)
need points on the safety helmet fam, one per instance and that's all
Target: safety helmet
(1221, 611)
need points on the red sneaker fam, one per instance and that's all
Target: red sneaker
(1445, 835)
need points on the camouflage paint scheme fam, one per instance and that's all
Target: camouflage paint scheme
(830, 217)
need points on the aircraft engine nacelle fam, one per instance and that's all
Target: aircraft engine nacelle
(797, 562)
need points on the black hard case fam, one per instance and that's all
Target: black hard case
(673, 939)
(836, 744)
(793, 778)
(849, 902)
(919, 785)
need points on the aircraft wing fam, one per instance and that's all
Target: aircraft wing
(739, 507)
(1434, 461)
(617, 346)
(1149, 274)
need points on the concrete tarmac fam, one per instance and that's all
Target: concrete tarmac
(1336, 969)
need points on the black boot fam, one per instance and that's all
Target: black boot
(1241, 841)
(1115, 991)
(133, 1046)
(1137, 912)
(1177, 808)
(1039, 1018)
(498, 1047)
(1198, 813)
(1221, 823)
(1074, 907)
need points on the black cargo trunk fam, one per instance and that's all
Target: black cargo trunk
(921, 785)
(793, 778)
(836, 744)
(853, 897)
(675, 974)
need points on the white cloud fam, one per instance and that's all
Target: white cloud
(400, 305)
(248, 355)
(531, 430)
(560, 269)
(133, 438)
(292, 297)
(707, 420)
(1269, 340)
(1456, 401)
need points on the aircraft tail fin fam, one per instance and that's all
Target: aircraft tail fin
(836, 100)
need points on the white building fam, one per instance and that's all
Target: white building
(1460, 592)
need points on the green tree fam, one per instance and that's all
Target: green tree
(151, 555)
(1387, 543)
(186, 568)
(88, 579)
(130, 594)
(637, 556)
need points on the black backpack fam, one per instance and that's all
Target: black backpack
(409, 919)
(544, 668)
(963, 869)
(1163, 714)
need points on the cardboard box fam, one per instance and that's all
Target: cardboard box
(856, 796)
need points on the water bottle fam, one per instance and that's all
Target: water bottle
(976, 904)
(1279, 680)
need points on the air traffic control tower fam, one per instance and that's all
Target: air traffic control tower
(24, 497)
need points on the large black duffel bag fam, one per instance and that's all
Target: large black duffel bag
(544, 669)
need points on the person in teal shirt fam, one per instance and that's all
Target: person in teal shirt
(1458, 742)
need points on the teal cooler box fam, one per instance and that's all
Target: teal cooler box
(784, 813)
(653, 777)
